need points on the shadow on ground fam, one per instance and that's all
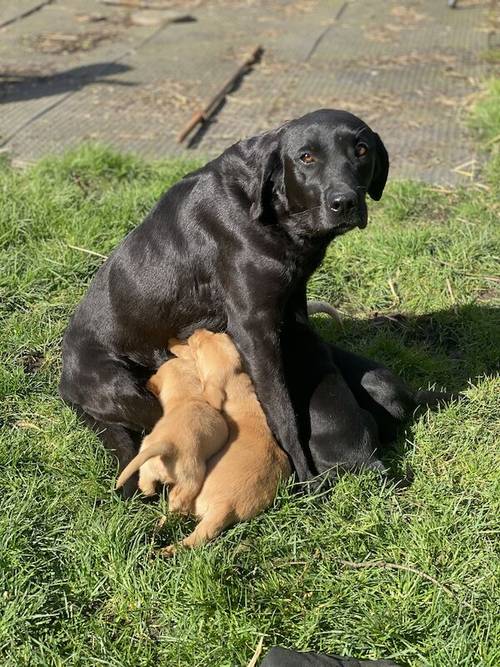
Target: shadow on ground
(448, 348)
(20, 88)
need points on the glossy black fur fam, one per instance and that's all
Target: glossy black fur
(347, 406)
(281, 657)
(230, 248)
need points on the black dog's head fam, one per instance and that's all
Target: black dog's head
(318, 171)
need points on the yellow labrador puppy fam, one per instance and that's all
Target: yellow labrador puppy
(190, 432)
(243, 477)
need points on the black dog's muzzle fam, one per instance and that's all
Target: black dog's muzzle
(346, 208)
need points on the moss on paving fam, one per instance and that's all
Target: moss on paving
(77, 585)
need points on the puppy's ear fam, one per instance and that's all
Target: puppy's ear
(180, 348)
(268, 188)
(154, 385)
(381, 170)
(214, 395)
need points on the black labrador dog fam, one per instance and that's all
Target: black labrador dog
(231, 247)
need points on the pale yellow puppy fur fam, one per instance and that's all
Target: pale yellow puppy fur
(243, 477)
(189, 432)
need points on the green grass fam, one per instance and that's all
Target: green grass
(77, 584)
(485, 116)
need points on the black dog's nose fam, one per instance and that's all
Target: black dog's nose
(342, 202)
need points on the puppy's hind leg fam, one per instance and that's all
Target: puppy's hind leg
(187, 487)
(212, 525)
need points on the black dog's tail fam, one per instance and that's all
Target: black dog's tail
(315, 307)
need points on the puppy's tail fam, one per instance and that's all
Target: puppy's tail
(315, 307)
(156, 449)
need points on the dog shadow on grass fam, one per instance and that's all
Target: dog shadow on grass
(445, 350)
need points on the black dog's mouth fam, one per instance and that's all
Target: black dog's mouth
(355, 217)
(360, 220)
(319, 221)
(343, 228)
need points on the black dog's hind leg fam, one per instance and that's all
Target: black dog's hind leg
(344, 437)
(338, 433)
(382, 393)
(119, 440)
(378, 390)
(114, 403)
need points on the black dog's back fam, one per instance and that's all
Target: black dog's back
(139, 297)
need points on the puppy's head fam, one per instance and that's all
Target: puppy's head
(217, 359)
(200, 338)
(318, 171)
(182, 351)
(214, 351)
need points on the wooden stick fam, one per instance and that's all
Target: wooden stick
(135, 4)
(204, 114)
(197, 118)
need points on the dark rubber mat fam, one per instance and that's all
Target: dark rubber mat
(83, 71)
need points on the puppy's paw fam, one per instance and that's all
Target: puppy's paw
(166, 552)
(180, 500)
(148, 490)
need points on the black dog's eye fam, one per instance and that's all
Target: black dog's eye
(307, 158)
(361, 150)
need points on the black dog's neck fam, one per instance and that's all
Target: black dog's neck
(302, 247)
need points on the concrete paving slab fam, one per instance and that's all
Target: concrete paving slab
(85, 71)
(10, 12)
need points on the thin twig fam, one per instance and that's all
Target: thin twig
(480, 276)
(405, 568)
(257, 653)
(493, 140)
(393, 290)
(442, 190)
(89, 252)
(465, 164)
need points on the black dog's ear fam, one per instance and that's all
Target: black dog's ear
(268, 191)
(381, 170)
